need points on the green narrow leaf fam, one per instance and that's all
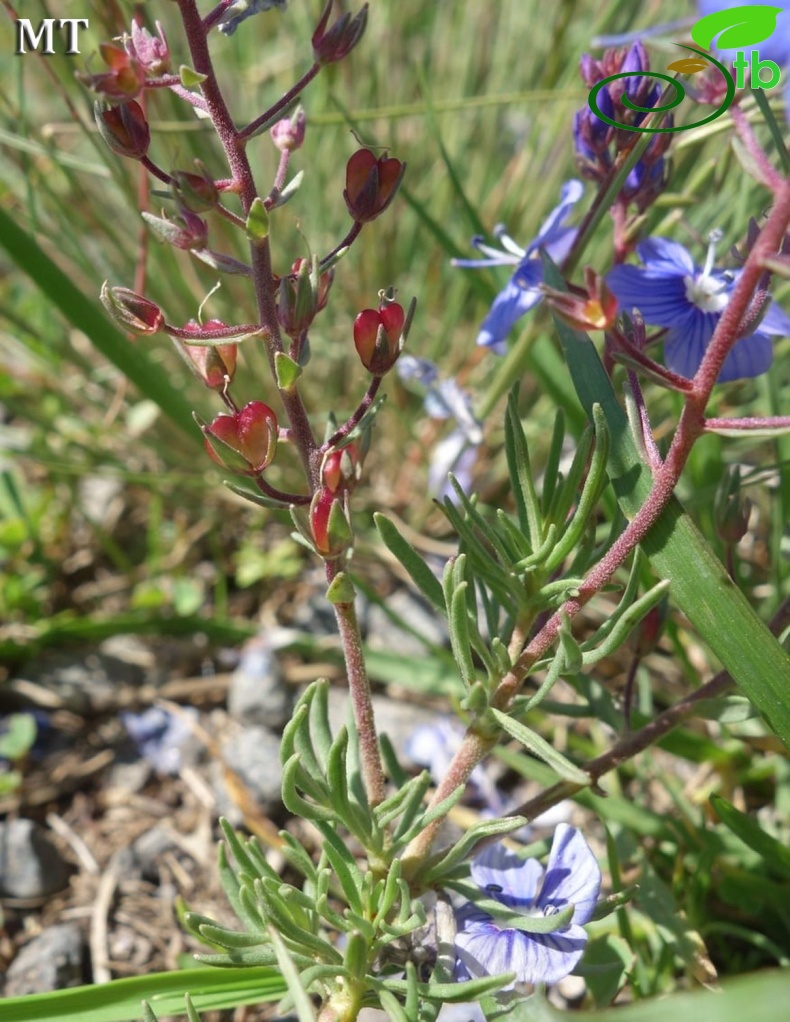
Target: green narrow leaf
(517, 452)
(700, 586)
(540, 747)
(775, 854)
(300, 997)
(89, 317)
(421, 574)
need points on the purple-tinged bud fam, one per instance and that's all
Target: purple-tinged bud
(329, 525)
(336, 43)
(371, 184)
(250, 433)
(194, 192)
(151, 52)
(288, 134)
(124, 128)
(377, 337)
(131, 311)
(650, 629)
(301, 295)
(186, 231)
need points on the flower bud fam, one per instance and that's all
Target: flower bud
(124, 128)
(250, 433)
(342, 37)
(288, 134)
(329, 526)
(648, 632)
(342, 468)
(377, 337)
(194, 192)
(186, 231)
(301, 296)
(371, 184)
(132, 311)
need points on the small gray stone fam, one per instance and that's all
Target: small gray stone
(30, 865)
(395, 718)
(258, 693)
(385, 634)
(84, 682)
(150, 846)
(254, 754)
(52, 961)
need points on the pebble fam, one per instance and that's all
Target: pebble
(30, 865)
(258, 693)
(52, 961)
(81, 682)
(254, 754)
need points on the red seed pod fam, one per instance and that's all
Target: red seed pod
(329, 526)
(132, 311)
(194, 192)
(342, 468)
(124, 128)
(214, 364)
(371, 184)
(336, 43)
(301, 295)
(124, 80)
(377, 337)
(251, 433)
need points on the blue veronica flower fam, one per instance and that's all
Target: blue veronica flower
(522, 292)
(670, 290)
(243, 9)
(572, 877)
(433, 746)
(160, 735)
(445, 399)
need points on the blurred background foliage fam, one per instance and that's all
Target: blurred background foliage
(111, 517)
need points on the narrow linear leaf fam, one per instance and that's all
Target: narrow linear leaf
(540, 747)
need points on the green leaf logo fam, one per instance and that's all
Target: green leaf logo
(736, 27)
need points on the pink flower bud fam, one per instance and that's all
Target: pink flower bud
(377, 337)
(336, 43)
(371, 184)
(288, 134)
(250, 433)
(124, 128)
(132, 311)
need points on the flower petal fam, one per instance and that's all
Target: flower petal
(750, 356)
(507, 877)
(486, 950)
(572, 875)
(665, 254)
(685, 345)
(570, 194)
(509, 306)
(776, 321)
(659, 296)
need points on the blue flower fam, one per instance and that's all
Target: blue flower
(522, 292)
(160, 735)
(243, 9)
(572, 877)
(671, 291)
(445, 399)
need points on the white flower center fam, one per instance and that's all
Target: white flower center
(703, 290)
(707, 293)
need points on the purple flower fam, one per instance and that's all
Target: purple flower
(444, 399)
(572, 877)
(522, 292)
(159, 735)
(243, 9)
(671, 291)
